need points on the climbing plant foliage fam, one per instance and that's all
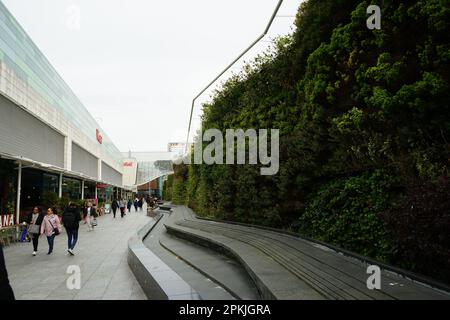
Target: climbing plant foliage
(364, 120)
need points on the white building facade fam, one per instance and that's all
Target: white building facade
(43, 125)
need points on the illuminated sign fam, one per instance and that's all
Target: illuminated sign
(98, 136)
(128, 164)
(6, 220)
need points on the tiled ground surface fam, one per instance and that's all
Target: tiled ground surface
(100, 254)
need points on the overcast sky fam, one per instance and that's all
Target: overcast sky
(137, 64)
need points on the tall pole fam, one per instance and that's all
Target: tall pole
(82, 189)
(280, 2)
(19, 191)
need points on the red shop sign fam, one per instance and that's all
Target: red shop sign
(98, 136)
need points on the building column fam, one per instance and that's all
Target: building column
(60, 185)
(68, 153)
(82, 189)
(99, 169)
(19, 190)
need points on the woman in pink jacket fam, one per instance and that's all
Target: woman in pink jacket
(51, 226)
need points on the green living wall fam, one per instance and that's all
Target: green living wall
(364, 120)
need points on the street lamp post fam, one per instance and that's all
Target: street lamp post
(266, 30)
(19, 191)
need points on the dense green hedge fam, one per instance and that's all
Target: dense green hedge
(345, 212)
(364, 123)
(179, 183)
(168, 188)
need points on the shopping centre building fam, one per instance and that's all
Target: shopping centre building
(147, 171)
(49, 143)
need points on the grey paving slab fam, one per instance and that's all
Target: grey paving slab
(100, 254)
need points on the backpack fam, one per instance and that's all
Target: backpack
(69, 218)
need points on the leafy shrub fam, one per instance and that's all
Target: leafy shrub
(346, 212)
(179, 195)
(168, 188)
(50, 199)
(421, 226)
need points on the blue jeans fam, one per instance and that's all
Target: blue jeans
(72, 237)
(50, 240)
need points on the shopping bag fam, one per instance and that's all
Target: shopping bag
(34, 229)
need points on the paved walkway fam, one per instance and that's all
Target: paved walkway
(100, 254)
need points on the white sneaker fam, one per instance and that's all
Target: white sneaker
(34, 253)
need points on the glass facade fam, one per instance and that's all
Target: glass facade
(31, 193)
(8, 181)
(71, 189)
(106, 194)
(50, 183)
(89, 190)
(39, 83)
(150, 170)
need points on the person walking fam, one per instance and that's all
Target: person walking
(140, 203)
(88, 215)
(6, 292)
(114, 207)
(122, 208)
(71, 220)
(34, 221)
(136, 204)
(51, 227)
(129, 205)
(95, 214)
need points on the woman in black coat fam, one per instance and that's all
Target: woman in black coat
(6, 292)
(71, 221)
(35, 218)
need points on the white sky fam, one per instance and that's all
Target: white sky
(137, 64)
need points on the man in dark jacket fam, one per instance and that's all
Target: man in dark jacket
(6, 292)
(114, 207)
(129, 205)
(71, 220)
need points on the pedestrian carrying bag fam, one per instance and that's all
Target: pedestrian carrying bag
(55, 230)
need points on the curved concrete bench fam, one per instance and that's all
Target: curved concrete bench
(287, 267)
(157, 280)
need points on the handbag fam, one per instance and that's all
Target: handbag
(94, 222)
(34, 229)
(55, 230)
